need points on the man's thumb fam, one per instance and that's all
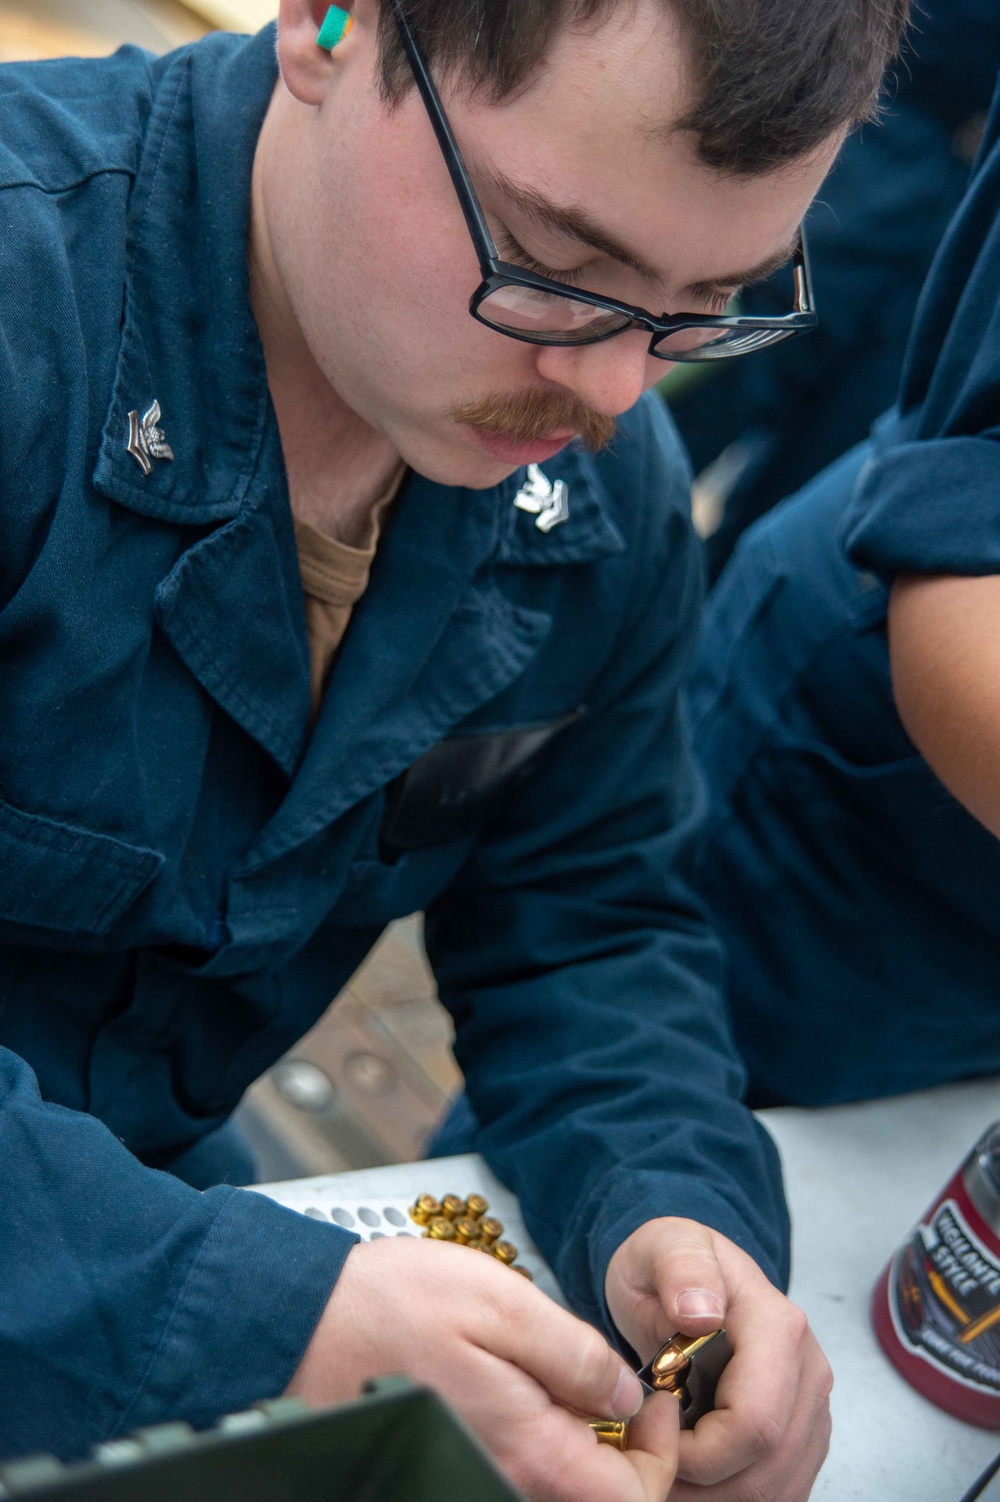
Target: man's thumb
(689, 1279)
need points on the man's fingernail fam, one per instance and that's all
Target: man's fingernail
(628, 1395)
(698, 1303)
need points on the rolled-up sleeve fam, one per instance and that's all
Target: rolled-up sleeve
(929, 506)
(928, 500)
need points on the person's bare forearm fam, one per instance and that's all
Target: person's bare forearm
(944, 645)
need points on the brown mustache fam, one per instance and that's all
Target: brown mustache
(527, 416)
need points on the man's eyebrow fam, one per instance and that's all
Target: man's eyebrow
(576, 223)
(704, 291)
(566, 219)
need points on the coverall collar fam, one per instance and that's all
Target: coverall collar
(190, 343)
(189, 338)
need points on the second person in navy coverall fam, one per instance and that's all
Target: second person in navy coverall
(845, 709)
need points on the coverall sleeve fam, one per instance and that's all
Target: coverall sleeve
(129, 1299)
(585, 985)
(928, 499)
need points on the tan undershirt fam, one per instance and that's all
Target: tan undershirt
(334, 577)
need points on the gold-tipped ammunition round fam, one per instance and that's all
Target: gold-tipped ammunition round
(441, 1229)
(505, 1251)
(466, 1230)
(476, 1206)
(524, 1272)
(424, 1209)
(671, 1367)
(490, 1229)
(670, 1371)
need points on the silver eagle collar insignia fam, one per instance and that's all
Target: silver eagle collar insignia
(147, 440)
(544, 499)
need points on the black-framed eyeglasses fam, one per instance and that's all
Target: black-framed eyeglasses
(538, 310)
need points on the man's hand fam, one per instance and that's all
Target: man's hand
(507, 1358)
(770, 1431)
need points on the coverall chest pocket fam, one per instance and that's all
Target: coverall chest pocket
(460, 784)
(64, 879)
(433, 813)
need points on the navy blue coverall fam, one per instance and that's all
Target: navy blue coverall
(188, 874)
(859, 901)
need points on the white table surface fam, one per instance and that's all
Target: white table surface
(858, 1178)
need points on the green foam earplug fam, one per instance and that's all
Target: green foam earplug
(334, 29)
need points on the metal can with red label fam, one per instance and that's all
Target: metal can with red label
(936, 1308)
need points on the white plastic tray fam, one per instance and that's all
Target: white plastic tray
(374, 1202)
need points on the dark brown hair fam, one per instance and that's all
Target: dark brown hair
(774, 77)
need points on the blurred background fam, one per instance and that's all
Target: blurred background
(88, 28)
(759, 429)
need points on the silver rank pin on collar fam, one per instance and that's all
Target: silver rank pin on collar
(544, 499)
(147, 440)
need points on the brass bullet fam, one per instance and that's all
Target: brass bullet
(490, 1230)
(671, 1367)
(424, 1209)
(611, 1432)
(524, 1272)
(476, 1206)
(453, 1207)
(441, 1229)
(466, 1230)
(505, 1251)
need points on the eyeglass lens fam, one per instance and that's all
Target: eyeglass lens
(715, 343)
(545, 317)
(531, 310)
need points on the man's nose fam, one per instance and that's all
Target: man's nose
(608, 377)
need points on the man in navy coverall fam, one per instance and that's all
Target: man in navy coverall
(192, 862)
(846, 706)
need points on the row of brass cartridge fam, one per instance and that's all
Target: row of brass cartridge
(464, 1222)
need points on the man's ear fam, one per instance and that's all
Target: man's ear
(306, 68)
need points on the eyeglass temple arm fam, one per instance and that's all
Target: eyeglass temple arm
(474, 217)
(802, 277)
